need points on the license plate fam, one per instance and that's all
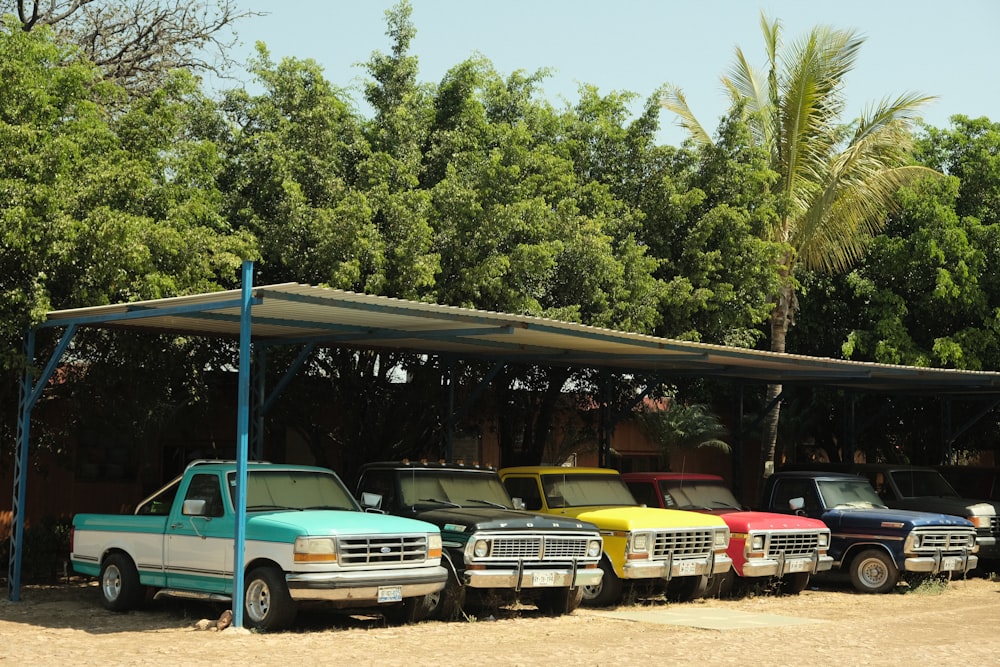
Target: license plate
(950, 563)
(795, 566)
(687, 567)
(543, 579)
(390, 594)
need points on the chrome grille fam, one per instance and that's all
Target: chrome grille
(995, 525)
(535, 547)
(683, 543)
(367, 549)
(792, 545)
(519, 548)
(952, 539)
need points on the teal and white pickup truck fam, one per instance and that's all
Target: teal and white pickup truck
(306, 539)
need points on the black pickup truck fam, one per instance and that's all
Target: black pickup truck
(494, 553)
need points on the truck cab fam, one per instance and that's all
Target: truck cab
(876, 545)
(787, 548)
(493, 552)
(673, 550)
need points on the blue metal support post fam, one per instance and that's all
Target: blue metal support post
(242, 445)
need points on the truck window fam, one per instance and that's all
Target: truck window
(382, 483)
(645, 493)
(206, 487)
(160, 504)
(525, 488)
(786, 489)
(294, 489)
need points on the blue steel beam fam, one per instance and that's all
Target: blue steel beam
(27, 397)
(242, 433)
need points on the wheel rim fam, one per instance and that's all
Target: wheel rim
(258, 600)
(592, 591)
(111, 583)
(873, 573)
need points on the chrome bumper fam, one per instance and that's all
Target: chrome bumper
(544, 578)
(364, 586)
(680, 567)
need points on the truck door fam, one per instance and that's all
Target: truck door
(199, 539)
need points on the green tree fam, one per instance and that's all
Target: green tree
(102, 206)
(836, 180)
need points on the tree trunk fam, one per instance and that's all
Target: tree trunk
(781, 318)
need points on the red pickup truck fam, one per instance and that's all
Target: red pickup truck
(785, 547)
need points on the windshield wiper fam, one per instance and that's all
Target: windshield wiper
(438, 501)
(264, 508)
(328, 507)
(487, 502)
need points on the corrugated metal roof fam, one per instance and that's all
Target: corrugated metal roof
(294, 313)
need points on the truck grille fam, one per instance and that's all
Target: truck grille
(952, 539)
(364, 550)
(792, 545)
(995, 525)
(683, 543)
(535, 547)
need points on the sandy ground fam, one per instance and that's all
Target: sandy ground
(953, 623)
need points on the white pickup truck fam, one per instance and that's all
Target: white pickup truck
(306, 539)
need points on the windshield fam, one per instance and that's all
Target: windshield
(849, 493)
(922, 483)
(294, 490)
(454, 488)
(584, 490)
(702, 494)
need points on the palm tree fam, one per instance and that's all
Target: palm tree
(682, 427)
(836, 181)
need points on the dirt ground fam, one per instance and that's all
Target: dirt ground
(953, 623)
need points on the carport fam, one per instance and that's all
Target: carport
(308, 316)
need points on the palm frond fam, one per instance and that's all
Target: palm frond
(673, 100)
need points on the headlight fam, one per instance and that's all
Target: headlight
(972, 541)
(722, 538)
(481, 548)
(434, 545)
(594, 548)
(639, 542)
(824, 540)
(315, 550)
(756, 543)
(917, 539)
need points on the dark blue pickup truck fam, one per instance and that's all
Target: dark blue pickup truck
(874, 544)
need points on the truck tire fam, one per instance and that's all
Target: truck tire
(685, 589)
(266, 602)
(120, 587)
(721, 585)
(605, 593)
(794, 583)
(447, 603)
(872, 571)
(560, 601)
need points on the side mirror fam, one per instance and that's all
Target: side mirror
(371, 500)
(518, 503)
(194, 507)
(795, 504)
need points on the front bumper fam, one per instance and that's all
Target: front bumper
(363, 586)
(534, 578)
(988, 547)
(670, 568)
(777, 567)
(935, 563)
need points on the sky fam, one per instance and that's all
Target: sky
(946, 49)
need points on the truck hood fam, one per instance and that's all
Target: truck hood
(471, 519)
(641, 518)
(892, 519)
(742, 522)
(946, 505)
(289, 525)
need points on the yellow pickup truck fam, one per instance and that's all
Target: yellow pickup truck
(674, 549)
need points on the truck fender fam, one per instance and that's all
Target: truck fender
(855, 549)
